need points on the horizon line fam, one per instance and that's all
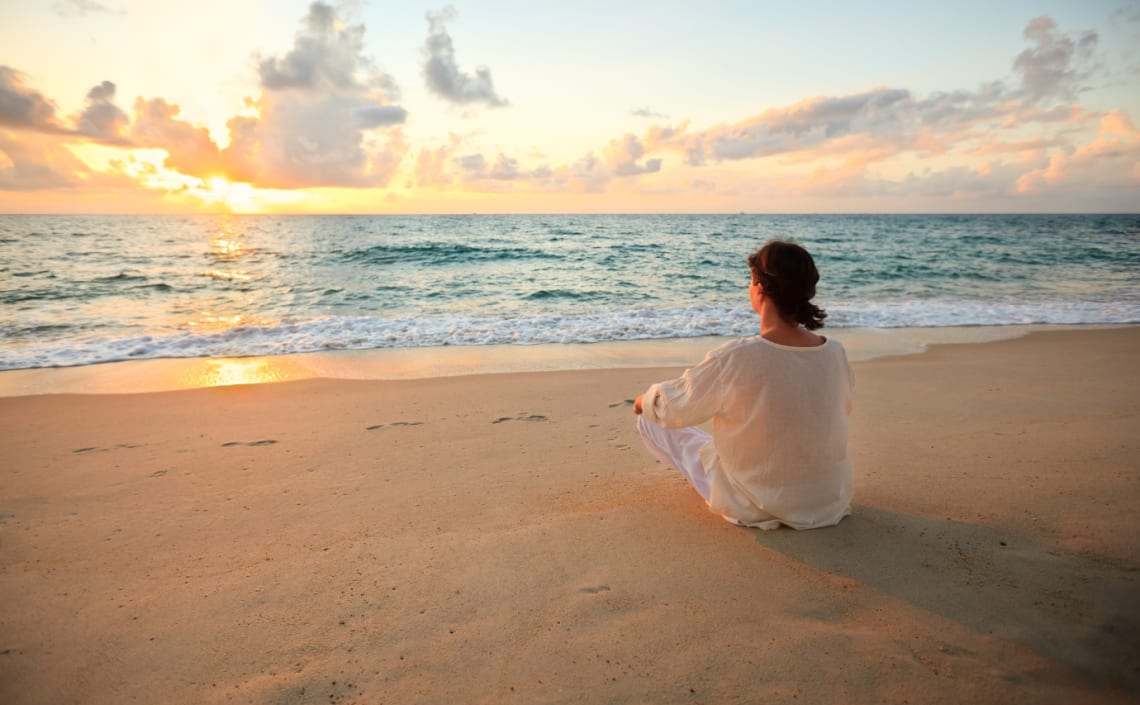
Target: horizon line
(571, 214)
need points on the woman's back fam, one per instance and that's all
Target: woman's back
(780, 437)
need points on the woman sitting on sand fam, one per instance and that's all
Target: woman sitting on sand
(778, 402)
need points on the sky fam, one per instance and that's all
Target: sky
(515, 106)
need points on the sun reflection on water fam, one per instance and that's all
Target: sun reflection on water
(228, 245)
(233, 275)
(219, 322)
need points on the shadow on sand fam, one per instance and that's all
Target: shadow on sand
(1079, 609)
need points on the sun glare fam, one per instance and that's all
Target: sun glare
(235, 197)
(227, 246)
(211, 321)
(147, 167)
(223, 372)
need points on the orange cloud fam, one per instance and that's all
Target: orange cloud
(38, 162)
(1107, 162)
(191, 149)
(22, 107)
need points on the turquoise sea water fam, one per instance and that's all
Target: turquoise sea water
(77, 290)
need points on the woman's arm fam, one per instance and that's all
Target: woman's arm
(689, 400)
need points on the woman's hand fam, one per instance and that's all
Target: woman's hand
(637, 404)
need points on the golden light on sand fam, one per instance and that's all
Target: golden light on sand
(229, 371)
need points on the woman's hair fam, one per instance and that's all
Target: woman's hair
(788, 276)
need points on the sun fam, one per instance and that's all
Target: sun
(219, 193)
(234, 197)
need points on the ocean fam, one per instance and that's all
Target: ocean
(79, 290)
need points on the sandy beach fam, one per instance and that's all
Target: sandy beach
(505, 539)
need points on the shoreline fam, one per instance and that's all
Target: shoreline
(171, 374)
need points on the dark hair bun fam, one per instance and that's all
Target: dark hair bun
(787, 273)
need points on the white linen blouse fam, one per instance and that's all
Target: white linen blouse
(778, 452)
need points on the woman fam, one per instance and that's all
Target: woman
(778, 402)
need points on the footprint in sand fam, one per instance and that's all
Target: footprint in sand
(121, 445)
(523, 416)
(595, 590)
(394, 424)
(157, 473)
(267, 442)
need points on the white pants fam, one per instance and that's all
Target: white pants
(679, 448)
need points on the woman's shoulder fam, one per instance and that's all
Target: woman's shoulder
(723, 352)
(758, 345)
(728, 347)
(755, 347)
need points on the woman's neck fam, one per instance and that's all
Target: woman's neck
(776, 329)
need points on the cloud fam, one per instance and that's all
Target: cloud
(1110, 162)
(444, 77)
(890, 121)
(1058, 65)
(1033, 145)
(102, 120)
(588, 174)
(508, 169)
(1045, 170)
(35, 162)
(23, 107)
(1126, 13)
(993, 142)
(190, 149)
(326, 56)
(622, 157)
(444, 166)
(371, 116)
(935, 184)
(880, 112)
(1050, 71)
(319, 106)
(325, 117)
(472, 163)
(476, 168)
(304, 141)
(431, 164)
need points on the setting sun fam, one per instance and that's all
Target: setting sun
(238, 198)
